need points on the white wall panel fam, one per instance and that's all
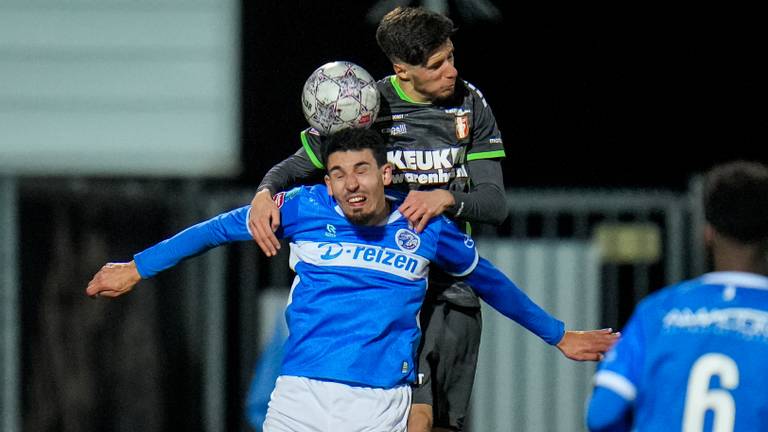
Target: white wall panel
(522, 383)
(119, 87)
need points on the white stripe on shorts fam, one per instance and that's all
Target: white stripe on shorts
(301, 404)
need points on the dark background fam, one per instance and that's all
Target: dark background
(589, 98)
(608, 98)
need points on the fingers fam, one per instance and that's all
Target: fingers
(422, 223)
(264, 220)
(417, 216)
(266, 239)
(113, 280)
(588, 345)
(275, 214)
(592, 357)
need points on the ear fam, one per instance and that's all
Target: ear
(386, 174)
(401, 71)
(328, 185)
(709, 235)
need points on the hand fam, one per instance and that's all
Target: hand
(113, 280)
(587, 345)
(421, 206)
(263, 221)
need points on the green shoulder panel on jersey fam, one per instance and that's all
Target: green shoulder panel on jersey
(401, 92)
(486, 155)
(308, 148)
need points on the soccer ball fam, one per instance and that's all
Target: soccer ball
(339, 95)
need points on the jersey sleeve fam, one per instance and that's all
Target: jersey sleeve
(311, 141)
(456, 253)
(486, 137)
(496, 289)
(289, 203)
(225, 228)
(298, 167)
(617, 378)
(486, 202)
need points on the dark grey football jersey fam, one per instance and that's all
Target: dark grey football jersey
(429, 143)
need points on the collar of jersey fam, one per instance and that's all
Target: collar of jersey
(395, 215)
(401, 93)
(739, 279)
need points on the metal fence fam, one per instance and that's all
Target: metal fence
(523, 384)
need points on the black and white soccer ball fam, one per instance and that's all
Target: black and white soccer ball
(340, 95)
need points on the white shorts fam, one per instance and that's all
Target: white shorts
(306, 405)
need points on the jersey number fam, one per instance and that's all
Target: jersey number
(700, 398)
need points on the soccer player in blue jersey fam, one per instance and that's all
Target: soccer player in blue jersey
(360, 281)
(693, 356)
(440, 134)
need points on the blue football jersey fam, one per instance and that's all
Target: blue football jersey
(354, 304)
(691, 358)
(353, 307)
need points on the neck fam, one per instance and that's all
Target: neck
(381, 215)
(741, 258)
(410, 91)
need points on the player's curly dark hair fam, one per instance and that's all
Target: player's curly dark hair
(354, 139)
(410, 34)
(736, 201)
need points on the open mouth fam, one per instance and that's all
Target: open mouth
(356, 200)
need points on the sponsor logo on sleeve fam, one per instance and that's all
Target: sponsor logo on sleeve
(279, 199)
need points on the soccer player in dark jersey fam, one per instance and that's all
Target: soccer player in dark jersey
(347, 366)
(693, 355)
(439, 131)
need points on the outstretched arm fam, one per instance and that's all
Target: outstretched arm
(116, 279)
(503, 295)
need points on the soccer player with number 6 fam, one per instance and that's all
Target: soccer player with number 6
(693, 355)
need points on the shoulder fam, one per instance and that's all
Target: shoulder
(444, 225)
(666, 298)
(385, 87)
(316, 196)
(473, 93)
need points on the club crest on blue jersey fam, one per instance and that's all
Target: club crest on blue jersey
(468, 242)
(407, 240)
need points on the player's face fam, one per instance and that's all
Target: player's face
(357, 183)
(436, 79)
